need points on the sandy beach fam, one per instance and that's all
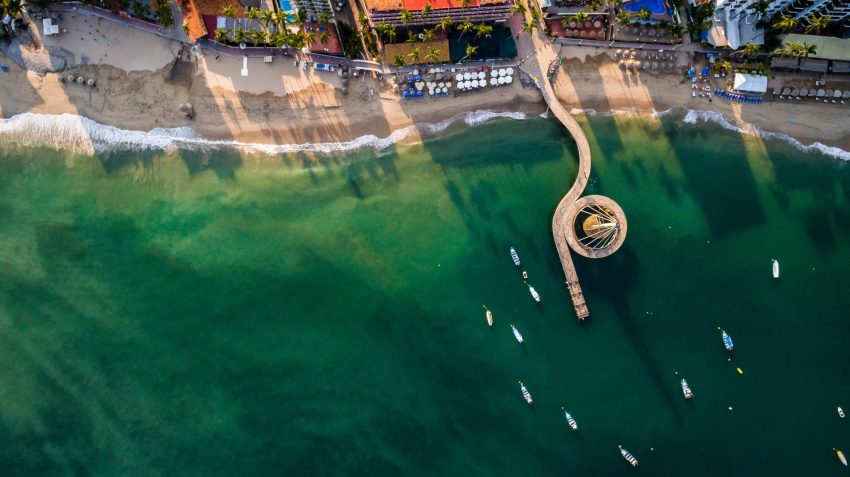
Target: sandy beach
(141, 87)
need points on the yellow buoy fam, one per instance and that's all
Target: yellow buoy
(740, 371)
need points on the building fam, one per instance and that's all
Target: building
(311, 7)
(802, 10)
(832, 55)
(476, 11)
(745, 83)
(735, 23)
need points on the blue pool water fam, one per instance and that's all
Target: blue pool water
(654, 6)
(285, 6)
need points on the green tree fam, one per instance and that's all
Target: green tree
(749, 50)
(398, 60)
(324, 37)
(239, 35)
(221, 35)
(308, 38)
(518, 8)
(786, 24)
(465, 27)
(433, 56)
(445, 24)
(644, 14)
(807, 49)
(470, 51)
(581, 16)
(427, 9)
(428, 35)
(415, 55)
(529, 26)
(185, 28)
(324, 17)
(817, 24)
(405, 16)
(483, 30)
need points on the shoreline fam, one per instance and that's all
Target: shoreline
(281, 107)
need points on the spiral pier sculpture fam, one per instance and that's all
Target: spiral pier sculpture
(593, 226)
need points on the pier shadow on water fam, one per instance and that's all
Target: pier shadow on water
(612, 278)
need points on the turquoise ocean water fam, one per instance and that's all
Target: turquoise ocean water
(219, 314)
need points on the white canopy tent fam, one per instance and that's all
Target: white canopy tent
(750, 83)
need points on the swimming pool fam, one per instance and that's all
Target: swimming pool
(285, 6)
(654, 6)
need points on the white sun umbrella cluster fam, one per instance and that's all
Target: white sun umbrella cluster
(475, 80)
(438, 87)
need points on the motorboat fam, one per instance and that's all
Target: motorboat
(514, 256)
(525, 394)
(775, 268)
(517, 335)
(489, 315)
(841, 457)
(687, 390)
(534, 293)
(524, 275)
(727, 340)
(840, 412)
(570, 419)
(629, 457)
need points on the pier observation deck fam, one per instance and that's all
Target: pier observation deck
(593, 226)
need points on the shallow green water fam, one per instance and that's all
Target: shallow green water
(259, 316)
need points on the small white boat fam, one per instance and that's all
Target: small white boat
(516, 334)
(775, 268)
(525, 394)
(514, 256)
(626, 455)
(524, 275)
(840, 412)
(570, 419)
(727, 340)
(489, 315)
(841, 457)
(687, 390)
(534, 293)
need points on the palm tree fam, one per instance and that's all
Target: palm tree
(414, 55)
(308, 37)
(185, 28)
(324, 17)
(786, 24)
(300, 16)
(581, 16)
(807, 49)
(749, 50)
(221, 35)
(398, 60)
(483, 30)
(465, 27)
(675, 30)
(253, 14)
(465, 3)
(411, 37)
(624, 17)
(426, 10)
(266, 18)
(593, 6)
(324, 37)
(529, 26)
(518, 8)
(445, 24)
(405, 16)
(644, 13)
(615, 3)
(229, 12)
(433, 56)
(470, 50)
(428, 35)
(391, 32)
(239, 35)
(816, 24)
(258, 36)
(12, 8)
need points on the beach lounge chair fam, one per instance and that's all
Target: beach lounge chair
(244, 66)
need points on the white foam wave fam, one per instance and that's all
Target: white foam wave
(82, 135)
(692, 116)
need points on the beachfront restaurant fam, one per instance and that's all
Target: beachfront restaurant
(476, 11)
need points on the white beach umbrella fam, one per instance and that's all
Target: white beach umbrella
(467, 76)
(482, 83)
(820, 93)
(493, 81)
(509, 79)
(836, 93)
(415, 71)
(445, 90)
(803, 92)
(494, 73)
(846, 94)
(481, 75)
(510, 71)
(459, 77)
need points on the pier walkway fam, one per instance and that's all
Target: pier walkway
(539, 58)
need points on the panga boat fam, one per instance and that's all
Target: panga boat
(840, 412)
(687, 390)
(534, 293)
(516, 334)
(524, 275)
(775, 268)
(628, 456)
(841, 457)
(525, 394)
(489, 315)
(727, 341)
(570, 419)
(514, 256)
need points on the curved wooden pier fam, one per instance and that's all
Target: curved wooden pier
(544, 54)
